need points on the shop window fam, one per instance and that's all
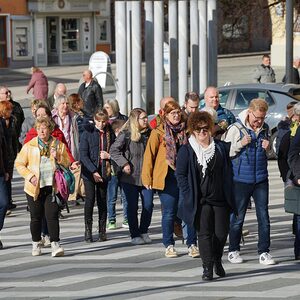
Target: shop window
(21, 41)
(70, 35)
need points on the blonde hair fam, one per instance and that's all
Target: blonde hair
(258, 104)
(132, 124)
(35, 69)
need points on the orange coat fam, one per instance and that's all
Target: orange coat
(155, 165)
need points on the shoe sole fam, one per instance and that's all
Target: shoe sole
(171, 256)
(236, 262)
(59, 254)
(194, 256)
(36, 254)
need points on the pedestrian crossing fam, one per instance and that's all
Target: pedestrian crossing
(117, 270)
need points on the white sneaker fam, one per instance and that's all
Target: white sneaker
(193, 251)
(137, 241)
(57, 250)
(234, 257)
(36, 249)
(45, 242)
(146, 238)
(266, 259)
(171, 252)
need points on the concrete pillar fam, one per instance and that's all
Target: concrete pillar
(129, 54)
(289, 40)
(212, 42)
(173, 44)
(149, 55)
(158, 52)
(202, 9)
(121, 64)
(182, 50)
(136, 57)
(194, 45)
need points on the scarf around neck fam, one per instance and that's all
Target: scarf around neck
(204, 155)
(174, 134)
(45, 148)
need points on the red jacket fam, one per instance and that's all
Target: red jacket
(57, 133)
(39, 83)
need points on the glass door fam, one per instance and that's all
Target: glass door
(53, 41)
(3, 43)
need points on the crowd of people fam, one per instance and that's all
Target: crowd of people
(204, 164)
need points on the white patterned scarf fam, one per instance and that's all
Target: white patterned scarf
(204, 155)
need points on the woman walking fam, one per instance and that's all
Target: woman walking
(204, 176)
(36, 162)
(127, 152)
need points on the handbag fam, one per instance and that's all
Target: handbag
(292, 199)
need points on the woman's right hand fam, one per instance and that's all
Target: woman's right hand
(33, 180)
(97, 177)
(127, 169)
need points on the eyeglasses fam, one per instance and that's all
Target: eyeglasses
(204, 129)
(175, 113)
(5, 93)
(258, 118)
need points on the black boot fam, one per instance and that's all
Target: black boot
(207, 271)
(102, 231)
(219, 270)
(88, 232)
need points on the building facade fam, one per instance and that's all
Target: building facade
(46, 32)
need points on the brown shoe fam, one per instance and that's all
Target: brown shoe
(178, 230)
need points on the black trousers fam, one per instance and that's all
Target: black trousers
(39, 208)
(96, 191)
(213, 224)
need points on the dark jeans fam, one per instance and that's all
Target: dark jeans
(189, 234)
(43, 206)
(96, 191)
(3, 200)
(296, 230)
(132, 193)
(169, 202)
(214, 227)
(112, 196)
(260, 194)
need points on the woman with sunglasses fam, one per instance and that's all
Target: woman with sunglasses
(204, 177)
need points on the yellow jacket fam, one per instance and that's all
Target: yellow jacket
(28, 163)
(155, 166)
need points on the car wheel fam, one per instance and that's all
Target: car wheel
(271, 154)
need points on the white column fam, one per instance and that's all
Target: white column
(182, 50)
(173, 44)
(149, 55)
(136, 55)
(202, 9)
(129, 54)
(121, 55)
(158, 52)
(212, 42)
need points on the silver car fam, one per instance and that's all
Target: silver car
(237, 97)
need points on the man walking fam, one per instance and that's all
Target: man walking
(249, 142)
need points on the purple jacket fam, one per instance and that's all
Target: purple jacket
(39, 83)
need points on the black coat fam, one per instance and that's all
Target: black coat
(92, 97)
(188, 181)
(89, 148)
(3, 152)
(295, 77)
(294, 156)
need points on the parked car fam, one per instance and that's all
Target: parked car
(237, 98)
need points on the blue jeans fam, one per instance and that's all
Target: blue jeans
(260, 194)
(112, 196)
(296, 230)
(3, 200)
(132, 193)
(169, 204)
(189, 234)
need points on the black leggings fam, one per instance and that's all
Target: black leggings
(214, 227)
(43, 206)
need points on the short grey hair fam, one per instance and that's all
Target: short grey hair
(212, 112)
(297, 109)
(59, 100)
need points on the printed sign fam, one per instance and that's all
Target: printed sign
(98, 64)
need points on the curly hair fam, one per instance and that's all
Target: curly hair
(199, 119)
(5, 107)
(75, 102)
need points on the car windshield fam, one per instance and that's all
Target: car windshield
(244, 96)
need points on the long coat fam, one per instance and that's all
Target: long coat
(39, 83)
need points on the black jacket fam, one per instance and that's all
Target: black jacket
(3, 152)
(89, 148)
(188, 181)
(294, 156)
(92, 97)
(295, 78)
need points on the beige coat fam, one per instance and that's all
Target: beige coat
(28, 163)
